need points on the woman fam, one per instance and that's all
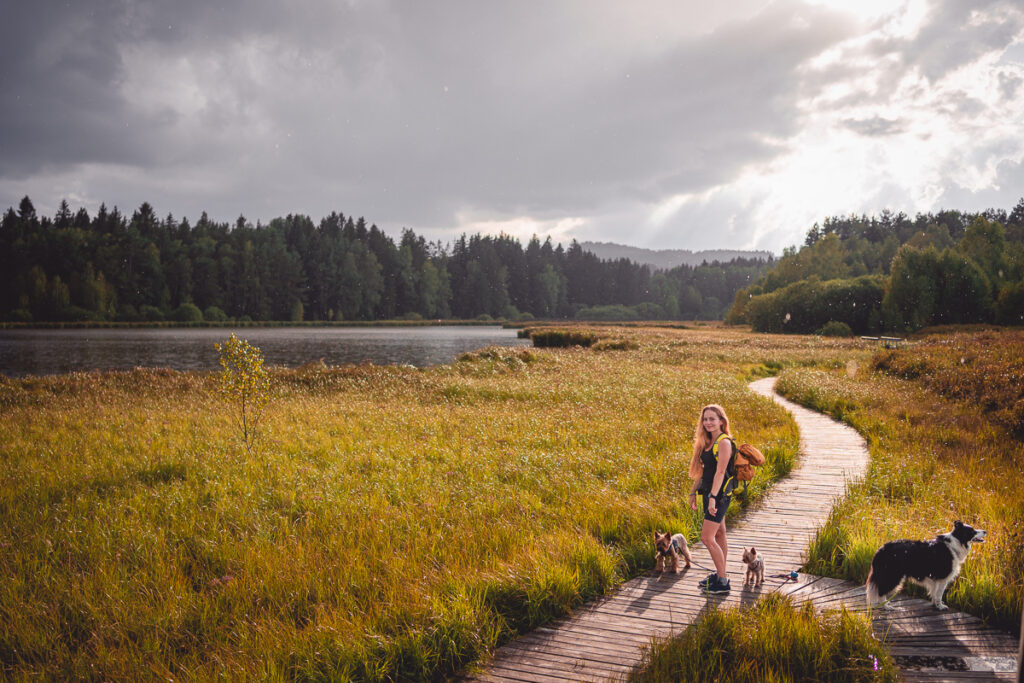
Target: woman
(709, 473)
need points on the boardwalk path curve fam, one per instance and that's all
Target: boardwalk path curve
(605, 639)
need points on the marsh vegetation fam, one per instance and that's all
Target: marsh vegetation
(770, 640)
(398, 522)
(942, 418)
(394, 522)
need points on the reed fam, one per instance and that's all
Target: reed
(770, 640)
(561, 338)
(396, 523)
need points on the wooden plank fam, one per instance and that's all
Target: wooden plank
(588, 653)
(577, 660)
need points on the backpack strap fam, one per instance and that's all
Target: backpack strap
(729, 485)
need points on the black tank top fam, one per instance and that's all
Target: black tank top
(710, 462)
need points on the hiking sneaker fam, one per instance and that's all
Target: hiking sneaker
(703, 583)
(718, 586)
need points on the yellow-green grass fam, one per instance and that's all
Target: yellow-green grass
(933, 461)
(397, 523)
(771, 640)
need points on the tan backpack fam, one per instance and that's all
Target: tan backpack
(747, 458)
(741, 468)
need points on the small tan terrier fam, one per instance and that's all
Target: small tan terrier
(755, 567)
(670, 547)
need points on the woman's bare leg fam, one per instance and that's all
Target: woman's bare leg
(724, 545)
(712, 534)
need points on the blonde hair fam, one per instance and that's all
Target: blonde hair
(702, 439)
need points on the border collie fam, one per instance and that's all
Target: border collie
(931, 564)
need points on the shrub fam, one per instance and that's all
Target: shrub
(245, 385)
(834, 328)
(79, 314)
(187, 313)
(1010, 306)
(563, 338)
(297, 313)
(214, 314)
(128, 313)
(615, 345)
(649, 311)
(929, 288)
(805, 306)
(150, 313)
(612, 312)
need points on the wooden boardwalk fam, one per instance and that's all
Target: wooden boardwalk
(605, 640)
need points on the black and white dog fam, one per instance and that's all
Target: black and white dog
(931, 564)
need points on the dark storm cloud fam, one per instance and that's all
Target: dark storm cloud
(538, 120)
(428, 114)
(57, 62)
(62, 65)
(410, 110)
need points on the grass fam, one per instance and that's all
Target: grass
(940, 451)
(770, 640)
(560, 337)
(984, 367)
(396, 524)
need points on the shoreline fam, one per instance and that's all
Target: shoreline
(93, 324)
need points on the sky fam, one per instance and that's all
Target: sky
(658, 124)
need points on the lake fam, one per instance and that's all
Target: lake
(47, 352)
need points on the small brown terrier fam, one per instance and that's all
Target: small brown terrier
(755, 568)
(671, 547)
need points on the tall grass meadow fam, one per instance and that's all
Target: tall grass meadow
(943, 447)
(395, 523)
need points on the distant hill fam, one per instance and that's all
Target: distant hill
(666, 259)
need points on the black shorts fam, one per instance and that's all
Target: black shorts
(721, 505)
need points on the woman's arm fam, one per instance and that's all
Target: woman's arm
(693, 494)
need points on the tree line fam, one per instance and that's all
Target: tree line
(107, 267)
(893, 273)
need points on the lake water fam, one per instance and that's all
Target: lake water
(47, 352)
